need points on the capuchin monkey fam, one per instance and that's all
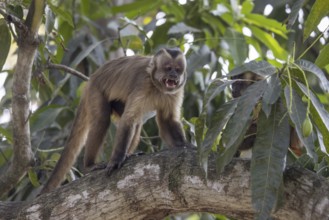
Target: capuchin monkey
(128, 87)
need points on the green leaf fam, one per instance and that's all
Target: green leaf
(16, 10)
(268, 160)
(83, 54)
(228, 153)
(219, 120)
(33, 178)
(312, 68)
(65, 15)
(5, 42)
(182, 28)
(270, 42)
(297, 5)
(271, 94)
(174, 9)
(261, 68)
(215, 87)
(216, 24)
(318, 114)
(266, 23)
(273, 90)
(137, 7)
(318, 11)
(247, 7)
(133, 42)
(297, 116)
(50, 20)
(45, 117)
(198, 59)
(6, 133)
(322, 60)
(237, 45)
(237, 126)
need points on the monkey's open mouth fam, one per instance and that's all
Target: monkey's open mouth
(170, 83)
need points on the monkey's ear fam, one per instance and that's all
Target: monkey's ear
(160, 52)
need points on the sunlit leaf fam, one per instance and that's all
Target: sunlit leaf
(5, 42)
(270, 42)
(247, 7)
(268, 160)
(322, 60)
(33, 177)
(136, 7)
(267, 23)
(318, 11)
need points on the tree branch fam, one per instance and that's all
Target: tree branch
(23, 156)
(157, 185)
(67, 69)
(13, 19)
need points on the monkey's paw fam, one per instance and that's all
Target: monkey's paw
(98, 166)
(113, 166)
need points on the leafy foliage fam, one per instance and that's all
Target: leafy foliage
(219, 38)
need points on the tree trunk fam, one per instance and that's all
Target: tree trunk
(27, 41)
(169, 182)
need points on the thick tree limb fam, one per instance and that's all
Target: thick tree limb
(157, 185)
(27, 46)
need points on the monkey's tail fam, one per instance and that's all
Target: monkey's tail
(72, 148)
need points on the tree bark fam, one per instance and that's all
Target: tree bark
(169, 182)
(27, 46)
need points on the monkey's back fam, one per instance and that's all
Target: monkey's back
(120, 77)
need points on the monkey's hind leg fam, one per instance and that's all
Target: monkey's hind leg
(125, 134)
(99, 118)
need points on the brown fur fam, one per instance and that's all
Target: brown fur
(129, 87)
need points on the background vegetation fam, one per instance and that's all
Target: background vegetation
(282, 42)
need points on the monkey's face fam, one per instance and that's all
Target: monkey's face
(169, 74)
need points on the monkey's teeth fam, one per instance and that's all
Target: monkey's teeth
(171, 83)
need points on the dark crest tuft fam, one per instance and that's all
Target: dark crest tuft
(173, 52)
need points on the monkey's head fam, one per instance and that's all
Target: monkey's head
(168, 70)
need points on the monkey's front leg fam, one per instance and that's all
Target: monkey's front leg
(171, 131)
(123, 139)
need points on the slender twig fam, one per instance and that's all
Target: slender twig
(13, 19)
(67, 69)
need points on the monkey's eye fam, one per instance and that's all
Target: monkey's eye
(168, 68)
(178, 70)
